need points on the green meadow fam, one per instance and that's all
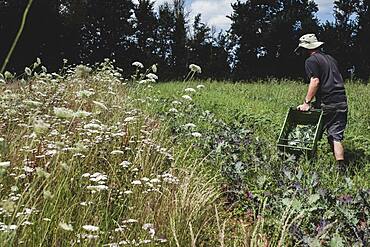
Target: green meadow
(88, 158)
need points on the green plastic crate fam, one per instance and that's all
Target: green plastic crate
(293, 118)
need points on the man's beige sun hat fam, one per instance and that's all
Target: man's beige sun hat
(309, 41)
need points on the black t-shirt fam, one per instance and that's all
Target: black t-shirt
(331, 88)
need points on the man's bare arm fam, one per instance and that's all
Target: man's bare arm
(312, 90)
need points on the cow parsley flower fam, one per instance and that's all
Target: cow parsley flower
(136, 182)
(85, 94)
(5, 164)
(64, 113)
(82, 114)
(90, 228)
(195, 68)
(190, 90)
(196, 134)
(190, 125)
(129, 119)
(97, 188)
(65, 226)
(138, 65)
(187, 97)
(173, 110)
(125, 164)
(152, 76)
(154, 68)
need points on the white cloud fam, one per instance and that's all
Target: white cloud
(213, 12)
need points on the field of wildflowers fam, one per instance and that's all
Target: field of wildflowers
(82, 164)
(90, 158)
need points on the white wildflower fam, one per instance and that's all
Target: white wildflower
(143, 81)
(155, 180)
(85, 93)
(125, 164)
(65, 226)
(186, 97)
(196, 134)
(64, 113)
(154, 68)
(90, 228)
(138, 65)
(8, 75)
(195, 68)
(190, 90)
(127, 192)
(96, 177)
(150, 228)
(4, 164)
(176, 102)
(136, 182)
(129, 119)
(190, 125)
(152, 76)
(97, 188)
(173, 110)
(129, 221)
(82, 71)
(200, 86)
(117, 152)
(93, 126)
(28, 71)
(82, 114)
(28, 169)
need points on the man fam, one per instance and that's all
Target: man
(327, 86)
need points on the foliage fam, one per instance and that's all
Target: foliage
(302, 136)
(286, 201)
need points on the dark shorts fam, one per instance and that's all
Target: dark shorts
(335, 121)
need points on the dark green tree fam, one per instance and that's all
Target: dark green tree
(179, 50)
(340, 35)
(362, 45)
(290, 20)
(250, 19)
(165, 41)
(145, 27)
(208, 51)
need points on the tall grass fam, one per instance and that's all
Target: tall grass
(83, 165)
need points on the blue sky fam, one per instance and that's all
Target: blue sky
(214, 11)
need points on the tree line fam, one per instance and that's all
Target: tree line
(259, 43)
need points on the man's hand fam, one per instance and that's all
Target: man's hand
(304, 107)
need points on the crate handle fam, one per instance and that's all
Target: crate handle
(306, 112)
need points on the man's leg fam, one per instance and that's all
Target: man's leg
(336, 129)
(338, 150)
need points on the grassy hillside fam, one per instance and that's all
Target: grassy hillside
(90, 159)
